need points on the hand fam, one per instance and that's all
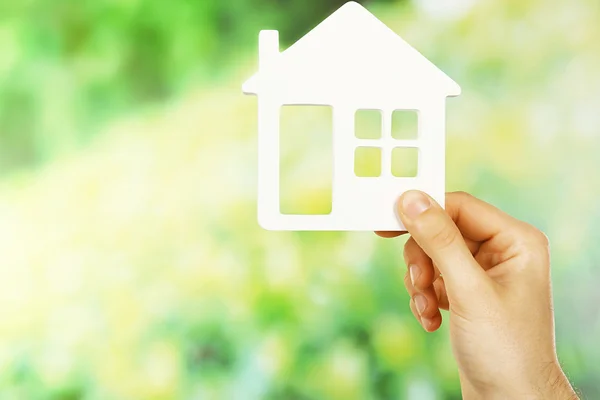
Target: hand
(492, 272)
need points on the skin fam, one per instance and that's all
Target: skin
(492, 273)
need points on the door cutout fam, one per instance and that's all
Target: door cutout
(306, 160)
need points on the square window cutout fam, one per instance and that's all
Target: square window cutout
(368, 124)
(405, 125)
(367, 162)
(405, 162)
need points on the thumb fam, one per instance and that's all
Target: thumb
(439, 237)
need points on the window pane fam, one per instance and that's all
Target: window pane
(405, 125)
(405, 162)
(368, 124)
(367, 162)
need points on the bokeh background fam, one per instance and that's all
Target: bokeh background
(131, 262)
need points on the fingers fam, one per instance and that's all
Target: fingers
(429, 324)
(420, 266)
(424, 304)
(436, 233)
(423, 274)
(390, 235)
(476, 219)
(442, 296)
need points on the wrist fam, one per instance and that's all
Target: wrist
(558, 386)
(549, 384)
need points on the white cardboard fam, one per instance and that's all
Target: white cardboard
(351, 61)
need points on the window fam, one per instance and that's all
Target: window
(405, 125)
(405, 162)
(367, 162)
(368, 124)
(386, 143)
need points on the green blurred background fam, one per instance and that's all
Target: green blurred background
(131, 263)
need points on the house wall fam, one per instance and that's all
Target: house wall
(343, 157)
(268, 160)
(433, 154)
(369, 203)
(358, 203)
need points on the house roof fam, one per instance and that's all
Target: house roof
(353, 43)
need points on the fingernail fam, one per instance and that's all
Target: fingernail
(415, 272)
(421, 303)
(426, 322)
(414, 204)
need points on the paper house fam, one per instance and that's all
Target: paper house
(351, 62)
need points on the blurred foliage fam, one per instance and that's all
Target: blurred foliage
(88, 61)
(132, 266)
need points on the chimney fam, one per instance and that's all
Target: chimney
(268, 47)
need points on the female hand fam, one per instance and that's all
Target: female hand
(492, 272)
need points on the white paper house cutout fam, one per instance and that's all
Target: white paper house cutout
(351, 61)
